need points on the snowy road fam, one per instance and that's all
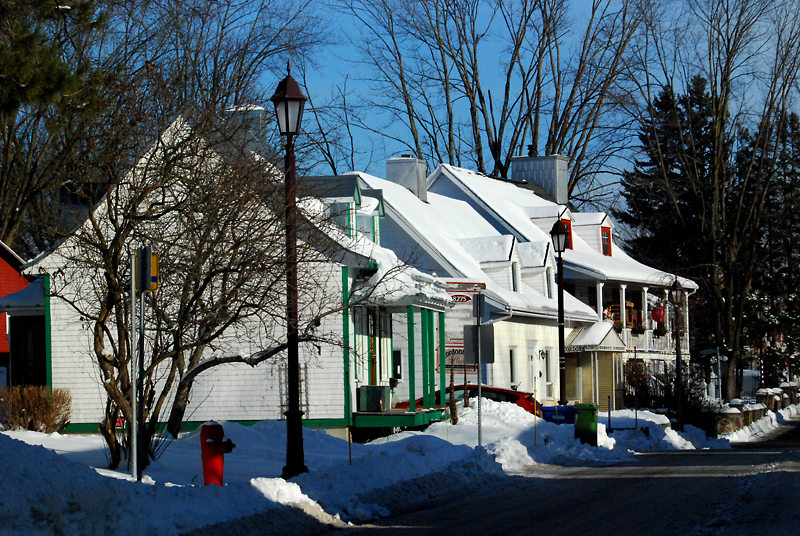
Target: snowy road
(743, 491)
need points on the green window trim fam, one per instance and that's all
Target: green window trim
(348, 413)
(412, 399)
(48, 348)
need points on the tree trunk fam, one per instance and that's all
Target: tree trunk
(179, 407)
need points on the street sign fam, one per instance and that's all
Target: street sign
(471, 343)
(146, 270)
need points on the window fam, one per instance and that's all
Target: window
(547, 372)
(605, 236)
(512, 356)
(550, 283)
(568, 223)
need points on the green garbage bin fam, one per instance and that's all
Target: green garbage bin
(586, 423)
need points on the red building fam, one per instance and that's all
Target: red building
(10, 281)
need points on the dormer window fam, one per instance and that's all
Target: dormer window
(605, 240)
(568, 223)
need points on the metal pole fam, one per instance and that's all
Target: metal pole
(636, 390)
(719, 378)
(480, 378)
(132, 425)
(679, 364)
(295, 456)
(141, 447)
(562, 362)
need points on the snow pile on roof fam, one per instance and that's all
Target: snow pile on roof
(49, 493)
(518, 206)
(533, 254)
(460, 241)
(495, 248)
(394, 281)
(31, 297)
(599, 334)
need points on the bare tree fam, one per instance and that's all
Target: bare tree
(747, 50)
(168, 152)
(478, 81)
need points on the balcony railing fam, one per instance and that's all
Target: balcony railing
(649, 342)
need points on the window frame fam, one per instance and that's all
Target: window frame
(605, 241)
(568, 223)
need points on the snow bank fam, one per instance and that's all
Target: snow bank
(57, 484)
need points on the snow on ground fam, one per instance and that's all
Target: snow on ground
(58, 484)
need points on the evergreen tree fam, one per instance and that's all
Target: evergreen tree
(46, 86)
(696, 207)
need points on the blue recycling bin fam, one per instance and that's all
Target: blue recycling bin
(566, 414)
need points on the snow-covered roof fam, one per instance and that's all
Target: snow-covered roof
(598, 336)
(516, 207)
(447, 229)
(29, 300)
(394, 283)
(533, 254)
(497, 248)
(581, 219)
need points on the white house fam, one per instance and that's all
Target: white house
(621, 291)
(345, 383)
(448, 237)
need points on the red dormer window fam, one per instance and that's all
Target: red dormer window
(605, 240)
(568, 223)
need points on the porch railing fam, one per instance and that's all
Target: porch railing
(648, 341)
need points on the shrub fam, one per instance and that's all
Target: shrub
(34, 407)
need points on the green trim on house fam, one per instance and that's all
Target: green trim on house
(325, 423)
(442, 339)
(48, 346)
(431, 358)
(348, 413)
(82, 428)
(401, 420)
(412, 399)
(426, 379)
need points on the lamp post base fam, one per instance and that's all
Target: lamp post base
(295, 457)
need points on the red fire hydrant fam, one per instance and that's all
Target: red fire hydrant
(213, 446)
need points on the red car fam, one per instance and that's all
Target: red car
(523, 400)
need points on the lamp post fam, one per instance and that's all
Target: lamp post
(676, 296)
(289, 101)
(559, 233)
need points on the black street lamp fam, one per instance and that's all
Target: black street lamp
(676, 296)
(560, 234)
(289, 101)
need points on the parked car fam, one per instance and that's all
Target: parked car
(520, 398)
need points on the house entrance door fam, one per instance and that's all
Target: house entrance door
(26, 341)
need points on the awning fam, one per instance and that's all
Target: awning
(28, 301)
(600, 336)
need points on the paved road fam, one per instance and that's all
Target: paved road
(744, 491)
(751, 490)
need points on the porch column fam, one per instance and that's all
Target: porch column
(667, 319)
(622, 310)
(600, 301)
(431, 358)
(442, 377)
(412, 398)
(426, 402)
(645, 315)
